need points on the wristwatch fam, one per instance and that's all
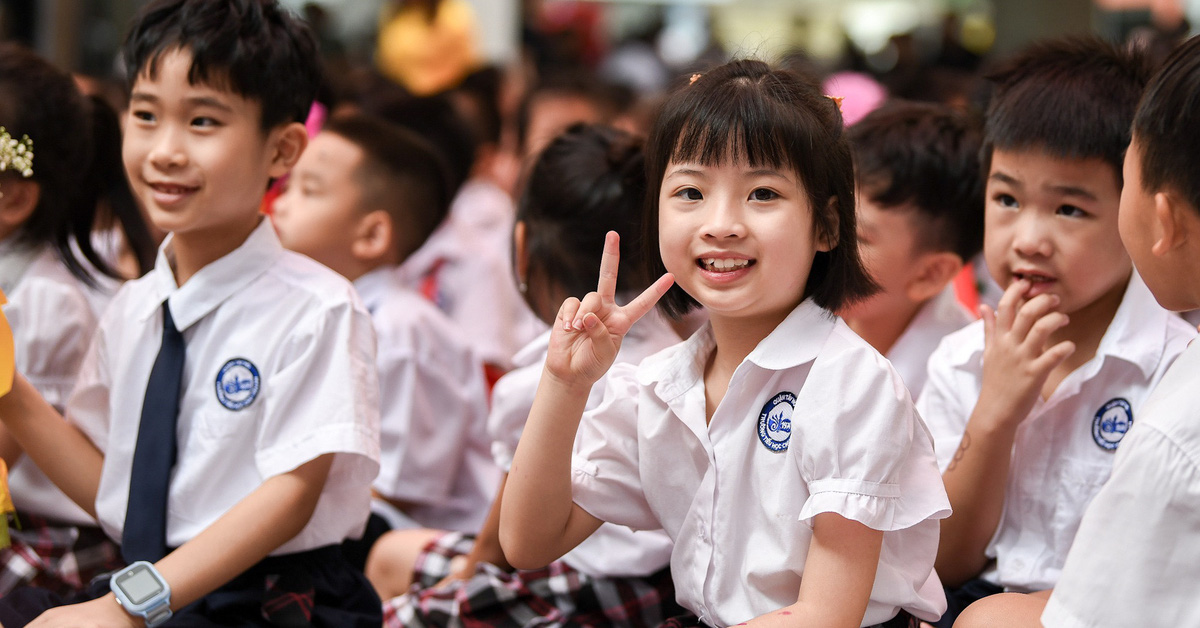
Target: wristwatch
(142, 591)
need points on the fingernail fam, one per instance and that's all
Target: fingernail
(589, 322)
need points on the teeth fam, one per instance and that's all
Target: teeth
(724, 265)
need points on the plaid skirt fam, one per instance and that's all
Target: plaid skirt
(56, 556)
(556, 595)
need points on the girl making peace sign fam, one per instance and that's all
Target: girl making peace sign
(778, 450)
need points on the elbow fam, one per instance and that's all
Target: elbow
(522, 553)
(955, 572)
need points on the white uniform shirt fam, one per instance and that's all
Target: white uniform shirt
(280, 370)
(937, 318)
(52, 322)
(1063, 452)
(1136, 559)
(612, 550)
(434, 451)
(736, 499)
(469, 264)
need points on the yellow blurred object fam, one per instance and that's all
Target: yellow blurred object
(428, 56)
(7, 360)
(6, 505)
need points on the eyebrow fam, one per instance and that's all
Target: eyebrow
(687, 172)
(195, 101)
(1004, 178)
(1072, 190)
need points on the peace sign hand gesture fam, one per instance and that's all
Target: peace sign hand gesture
(587, 334)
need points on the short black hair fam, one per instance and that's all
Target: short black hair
(588, 181)
(925, 156)
(255, 48)
(746, 110)
(1167, 126)
(579, 83)
(400, 173)
(435, 119)
(1072, 97)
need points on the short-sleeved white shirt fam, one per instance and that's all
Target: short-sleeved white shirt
(1063, 451)
(737, 496)
(937, 318)
(434, 449)
(467, 264)
(1136, 559)
(280, 370)
(52, 322)
(612, 550)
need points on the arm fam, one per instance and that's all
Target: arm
(839, 574)
(539, 521)
(1016, 363)
(58, 448)
(265, 519)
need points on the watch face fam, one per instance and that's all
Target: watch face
(139, 585)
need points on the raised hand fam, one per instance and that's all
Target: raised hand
(587, 334)
(1017, 356)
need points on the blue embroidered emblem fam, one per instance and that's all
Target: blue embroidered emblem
(1112, 421)
(775, 422)
(237, 384)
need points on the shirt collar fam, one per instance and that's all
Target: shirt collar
(214, 283)
(375, 285)
(795, 341)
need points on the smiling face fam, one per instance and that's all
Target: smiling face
(739, 239)
(1053, 222)
(196, 155)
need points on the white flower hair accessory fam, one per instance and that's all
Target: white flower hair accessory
(16, 155)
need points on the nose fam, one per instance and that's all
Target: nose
(1032, 235)
(724, 219)
(167, 151)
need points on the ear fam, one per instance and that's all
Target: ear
(827, 239)
(287, 143)
(1171, 229)
(18, 199)
(373, 239)
(937, 268)
(520, 252)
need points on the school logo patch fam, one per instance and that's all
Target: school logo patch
(775, 422)
(1112, 421)
(237, 384)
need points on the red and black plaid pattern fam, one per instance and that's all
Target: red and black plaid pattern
(554, 596)
(56, 556)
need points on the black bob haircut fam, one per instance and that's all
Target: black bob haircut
(1167, 126)
(925, 156)
(746, 111)
(1073, 98)
(588, 181)
(255, 48)
(400, 173)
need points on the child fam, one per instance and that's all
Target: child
(839, 529)
(1137, 544)
(1028, 405)
(51, 283)
(920, 216)
(234, 514)
(363, 197)
(589, 180)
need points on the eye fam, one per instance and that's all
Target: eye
(1071, 211)
(144, 116)
(1007, 200)
(690, 194)
(205, 122)
(763, 194)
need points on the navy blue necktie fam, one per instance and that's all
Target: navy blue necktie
(145, 534)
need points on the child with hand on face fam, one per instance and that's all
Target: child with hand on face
(835, 527)
(1028, 405)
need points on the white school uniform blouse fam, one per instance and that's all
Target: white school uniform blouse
(814, 421)
(280, 370)
(937, 318)
(1136, 559)
(434, 450)
(1063, 451)
(52, 322)
(612, 550)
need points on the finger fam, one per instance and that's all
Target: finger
(610, 260)
(592, 304)
(988, 316)
(644, 302)
(566, 314)
(1009, 303)
(1039, 335)
(1033, 311)
(1054, 356)
(598, 333)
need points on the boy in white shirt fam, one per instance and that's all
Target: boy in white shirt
(1136, 559)
(363, 197)
(1028, 406)
(920, 217)
(224, 426)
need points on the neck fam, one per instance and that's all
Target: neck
(735, 338)
(882, 332)
(194, 250)
(1086, 329)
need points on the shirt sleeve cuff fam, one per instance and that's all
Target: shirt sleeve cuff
(875, 505)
